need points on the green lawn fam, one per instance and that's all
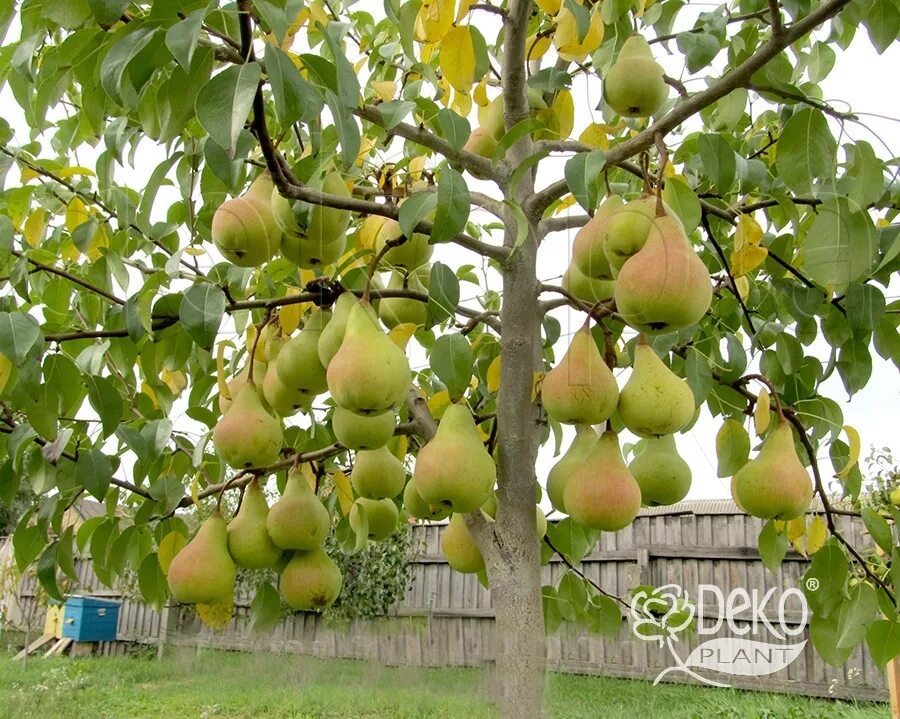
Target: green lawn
(213, 685)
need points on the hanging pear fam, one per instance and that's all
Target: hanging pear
(203, 571)
(455, 469)
(587, 289)
(558, 478)
(297, 364)
(665, 286)
(459, 547)
(402, 310)
(247, 435)
(248, 541)
(663, 476)
(601, 493)
(298, 520)
(627, 229)
(588, 251)
(244, 230)
(333, 333)
(417, 507)
(310, 581)
(377, 474)
(481, 143)
(581, 389)
(412, 253)
(381, 516)
(775, 484)
(238, 382)
(369, 374)
(356, 432)
(635, 84)
(655, 400)
(284, 401)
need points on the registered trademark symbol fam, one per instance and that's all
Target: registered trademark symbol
(812, 584)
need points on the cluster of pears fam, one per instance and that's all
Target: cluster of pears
(775, 484)
(643, 259)
(249, 230)
(591, 482)
(288, 537)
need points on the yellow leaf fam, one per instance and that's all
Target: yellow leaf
(461, 103)
(35, 226)
(170, 545)
(566, 37)
(417, 166)
(594, 135)
(742, 284)
(307, 471)
(464, 6)
(551, 7)
(195, 489)
(398, 446)
(76, 214)
(882, 222)
(148, 390)
(220, 369)
(5, 371)
(855, 447)
(27, 174)
(401, 334)
(216, 615)
(385, 89)
(434, 21)
(536, 383)
(317, 14)
(559, 117)
(438, 402)
(747, 254)
(493, 375)
(69, 171)
(479, 94)
(796, 534)
(427, 52)
(761, 412)
(565, 203)
(779, 525)
(344, 491)
(537, 47)
(194, 251)
(175, 380)
(289, 315)
(365, 148)
(816, 534)
(100, 239)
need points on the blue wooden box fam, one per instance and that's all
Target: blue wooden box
(90, 619)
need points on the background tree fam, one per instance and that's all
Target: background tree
(114, 296)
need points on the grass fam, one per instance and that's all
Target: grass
(218, 685)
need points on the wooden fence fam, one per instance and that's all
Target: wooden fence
(446, 619)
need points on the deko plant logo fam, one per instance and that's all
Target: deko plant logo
(743, 633)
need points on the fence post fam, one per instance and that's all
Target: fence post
(893, 677)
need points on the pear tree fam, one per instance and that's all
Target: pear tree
(317, 254)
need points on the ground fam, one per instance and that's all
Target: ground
(216, 685)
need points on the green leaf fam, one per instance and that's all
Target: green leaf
(854, 365)
(699, 49)
(201, 313)
(182, 37)
(865, 306)
(454, 128)
(840, 245)
(67, 13)
(265, 611)
(295, 98)
(416, 208)
(107, 12)
(443, 294)
(106, 401)
(772, 546)
(806, 152)
(603, 616)
(46, 571)
(347, 81)
(9, 483)
(878, 529)
(863, 182)
(224, 103)
(550, 603)
(824, 632)
(823, 583)
(452, 361)
(516, 133)
(882, 21)
(19, 332)
(856, 615)
(583, 177)
(94, 472)
(114, 72)
(152, 581)
(883, 639)
(719, 162)
(453, 205)
(347, 130)
(684, 203)
(572, 539)
(732, 447)
(28, 541)
(393, 112)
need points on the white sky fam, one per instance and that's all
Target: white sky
(859, 78)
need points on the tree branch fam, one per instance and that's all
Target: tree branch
(69, 276)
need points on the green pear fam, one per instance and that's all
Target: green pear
(203, 571)
(665, 286)
(238, 382)
(587, 289)
(419, 508)
(635, 86)
(298, 364)
(369, 374)
(775, 484)
(381, 517)
(377, 474)
(585, 439)
(259, 194)
(402, 310)
(248, 541)
(284, 401)
(601, 493)
(244, 229)
(459, 547)
(356, 432)
(412, 253)
(310, 581)
(481, 143)
(663, 476)
(626, 230)
(588, 251)
(247, 435)
(454, 469)
(581, 389)
(655, 400)
(333, 333)
(298, 520)
(310, 254)
(491, 119)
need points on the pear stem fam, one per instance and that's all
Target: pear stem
(227, 485)
(663, 161)
(259, 331)
(376, 260)
(645, 172)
